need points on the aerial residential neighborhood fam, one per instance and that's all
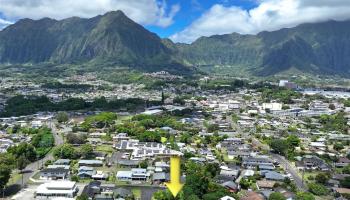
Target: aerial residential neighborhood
(249, 143)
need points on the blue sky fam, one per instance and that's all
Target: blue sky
(187, 20)
(192, 10)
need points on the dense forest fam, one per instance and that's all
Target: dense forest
(25, 105)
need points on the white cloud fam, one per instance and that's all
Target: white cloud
(268, 15)
(4, 23)
(146, 12)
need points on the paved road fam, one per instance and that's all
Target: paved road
(290, 169)
(285, 164)
(56, 134)
(234, 125)
(31, 169)
(146, 194)
(116, 156)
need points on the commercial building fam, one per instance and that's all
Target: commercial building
(66, 189)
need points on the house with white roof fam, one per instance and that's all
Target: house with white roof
(144, 150)
(63, 189)
(135, 174)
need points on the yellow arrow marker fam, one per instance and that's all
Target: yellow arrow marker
(174, 185)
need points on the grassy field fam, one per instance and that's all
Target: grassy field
(123, 118)
(309, 177)
(121, 183)
(164, 140)
(14, 178)
(105, 148)
(223, 152)
(137, 193)
(324, 197)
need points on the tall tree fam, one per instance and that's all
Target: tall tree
(23, 149)
(197, 180)
(65, 151)
(293, 141)
(62, 117)
(276, 196)
(86, 150)
(322, 178)
(279, 145)
(5, 174)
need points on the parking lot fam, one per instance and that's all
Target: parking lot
(26, 193)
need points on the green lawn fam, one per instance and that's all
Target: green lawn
(307, 175)
(324, 197)
(14, 178)
(105, 148)
(123, 118)
(122, 183)
(224, 153)
(137, 193)
(225, 156)
(164, 140)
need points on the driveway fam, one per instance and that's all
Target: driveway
(26, 193)
(116, 156)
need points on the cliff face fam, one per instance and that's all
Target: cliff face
(318, 48)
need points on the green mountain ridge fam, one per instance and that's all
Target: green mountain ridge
(111, 38)
(318, 48)
(321, 48)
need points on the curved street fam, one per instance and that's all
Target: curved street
(33, 167)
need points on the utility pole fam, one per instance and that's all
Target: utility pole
(302, 177)
(38, 160)
(61, 151)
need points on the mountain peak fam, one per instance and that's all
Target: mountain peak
(109, 37)
(113, 37)
(116, 17)
(116, 14)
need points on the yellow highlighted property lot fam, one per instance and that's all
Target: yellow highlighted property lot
(163, 139)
